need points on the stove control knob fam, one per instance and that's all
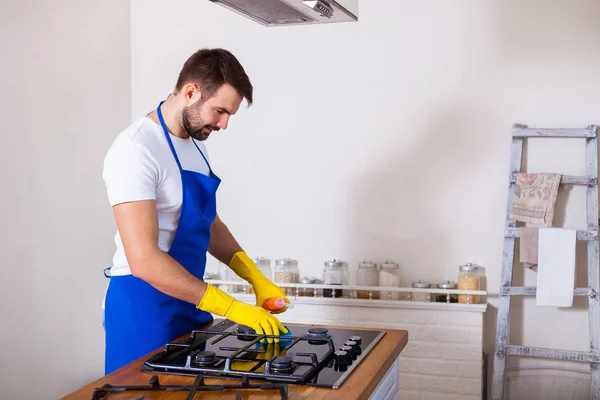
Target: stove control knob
(341, 357)
(355, 346)
(356, 339)
(351, 355)
(341, 361)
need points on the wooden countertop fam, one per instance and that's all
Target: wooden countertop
(359, 385)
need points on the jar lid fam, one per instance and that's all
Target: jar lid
(335, 263)
(286, 261)
(211, 275)
(468, 267)
(308, 280)
(421, 284)
(390, 264)
(367, 264)
(261, 260)
(446, 285)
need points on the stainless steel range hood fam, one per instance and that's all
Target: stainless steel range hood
(291, 12)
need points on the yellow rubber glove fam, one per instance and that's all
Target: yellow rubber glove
(264, 289)
(216, 301)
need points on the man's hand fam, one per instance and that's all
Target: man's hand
(218, 302)
(264, 289)
(226, 249)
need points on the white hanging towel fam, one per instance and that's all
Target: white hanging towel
(556, 267)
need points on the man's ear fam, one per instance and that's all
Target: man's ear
(191, 93)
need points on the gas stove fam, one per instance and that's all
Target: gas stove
(311, 356)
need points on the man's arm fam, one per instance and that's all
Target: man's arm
(226, 249)
(222, 245)
(138, 226)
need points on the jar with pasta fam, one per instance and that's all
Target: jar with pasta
(468, 279)
(264, 266)
(389, 276)
(286, 271)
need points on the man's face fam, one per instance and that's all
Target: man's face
(206, 115)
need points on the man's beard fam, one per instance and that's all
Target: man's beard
(196, 129)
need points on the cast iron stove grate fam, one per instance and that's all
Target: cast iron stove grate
(197, 386)
(195, 360)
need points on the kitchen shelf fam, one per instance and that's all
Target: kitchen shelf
(378, 303)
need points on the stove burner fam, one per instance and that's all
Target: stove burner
(317, 333)
(206, 358)
(245, 329)
(282, 364)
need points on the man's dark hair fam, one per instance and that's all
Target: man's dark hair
(210, 69)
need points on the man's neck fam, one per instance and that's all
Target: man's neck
(171, 114)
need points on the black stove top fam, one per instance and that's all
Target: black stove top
(311, 356)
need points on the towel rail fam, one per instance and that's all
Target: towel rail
(569, 180)
(521, 131)
(540, 352)
(532, 291)
(581, 235)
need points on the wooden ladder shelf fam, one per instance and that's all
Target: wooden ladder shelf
(503, 349)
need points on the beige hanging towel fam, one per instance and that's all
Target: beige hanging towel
(528, 249)
(534, 198)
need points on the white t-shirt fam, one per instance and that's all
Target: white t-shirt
(140, 166)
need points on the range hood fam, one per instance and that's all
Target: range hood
(291, 12)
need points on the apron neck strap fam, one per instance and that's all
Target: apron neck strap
(166, 132)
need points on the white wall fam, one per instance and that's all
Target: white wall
(65, 84)
(390, 138)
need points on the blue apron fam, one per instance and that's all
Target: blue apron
(140, 318)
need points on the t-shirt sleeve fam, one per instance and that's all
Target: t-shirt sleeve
(130, 173)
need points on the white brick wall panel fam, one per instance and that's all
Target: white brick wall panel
(443, 334)
(435, 384)
(464, 369)
(428, 367)
(414, 317)
(416, 382)
(410, 395)
(462, 386)
(462, 352)
(469, 369)
(458, 318)
(445, 396)
(421, 350)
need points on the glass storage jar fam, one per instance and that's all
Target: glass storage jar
(308, 292)
(367, 276)
(286, 271)
(335, 273)
(389, 276)
(421, 296)
(446, 297)
(211, 276)
(228, 275)
(468, 279)
(264, 266)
